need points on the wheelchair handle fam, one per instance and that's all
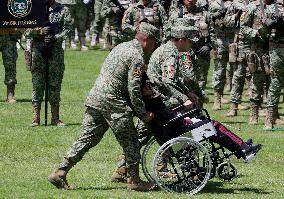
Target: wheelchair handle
(191, 112)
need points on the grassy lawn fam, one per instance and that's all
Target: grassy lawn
(28, 155)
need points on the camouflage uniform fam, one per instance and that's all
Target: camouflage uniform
(9, 57)
(276, 52)
(257, 57)
(171, 71)
(237, 55)
(225, 33)
(153, 13)
(200, 19)
(51, 54)
(112, 102)
(114, 15)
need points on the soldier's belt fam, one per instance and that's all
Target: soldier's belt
(42, 44)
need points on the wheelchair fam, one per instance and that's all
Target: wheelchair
(185, 163)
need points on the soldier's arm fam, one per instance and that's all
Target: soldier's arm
(136, 70)
(128, 25)
(246, 21)
(67, 25)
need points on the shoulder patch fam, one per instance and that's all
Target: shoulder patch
(186, 61)
(137, 70)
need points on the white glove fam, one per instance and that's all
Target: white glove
(86, 1)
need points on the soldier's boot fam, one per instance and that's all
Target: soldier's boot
(269, 120)
(134, 182)
(243, 107)
(55, 116)
(73, 44)
(277, 117)
(120, 173)
(36, 115)
(83, 44)
(233, 110)
(11, 94)
(217, 101)
(254, 114)
(224, 101)
(58, 176)
(94, 40)
(262, 112)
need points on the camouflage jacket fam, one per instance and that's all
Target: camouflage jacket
(154, 13)
(168, 70)
(118, 85)
(60, 22)
(113, 12)
(251, 22)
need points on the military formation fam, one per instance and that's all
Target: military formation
(169, 42)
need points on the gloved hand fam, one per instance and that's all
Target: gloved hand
(86, 1)
(49, 39)
(204, 50)
(117, 10)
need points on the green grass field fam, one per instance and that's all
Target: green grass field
(28, 155)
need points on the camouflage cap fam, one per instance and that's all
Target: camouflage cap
(189, 32)
(150, 30)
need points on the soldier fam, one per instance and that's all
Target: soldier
(167, 69)
(274, 14)
(198, 17)
(225, 34)
(114, 10)
(112, 102)
(47, 52)
(98, 22)
(9, 57)
(145, 10)
(237, 56)
(254, 32)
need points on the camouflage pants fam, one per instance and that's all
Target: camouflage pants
(9, 57)
(55, 75)
(220, 64)
(115, 37)
(204, 64)
(238, 81)
(98, 22)
(96, 123)
(258, 81)
(277, 76)
(79, 13)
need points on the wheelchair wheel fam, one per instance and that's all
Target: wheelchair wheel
(182, 165)
(148, 154)
(226, 171)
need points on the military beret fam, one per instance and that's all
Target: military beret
(189, 32)
(150, 30)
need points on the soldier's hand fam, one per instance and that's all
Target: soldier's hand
(204, 50)
(49, 39)
(188, 104)
(46, 30)
(148, 116)
(194, 98)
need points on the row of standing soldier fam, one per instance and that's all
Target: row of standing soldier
(247, 35)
